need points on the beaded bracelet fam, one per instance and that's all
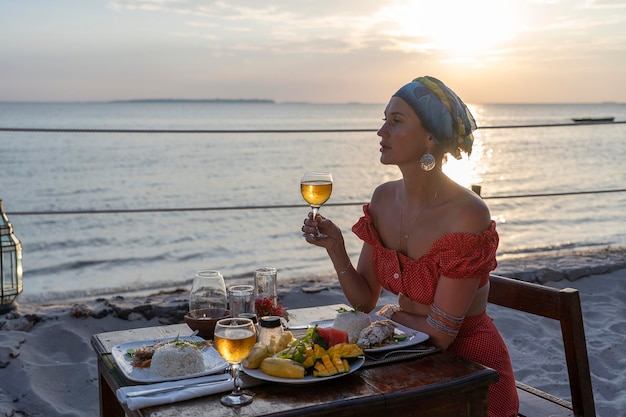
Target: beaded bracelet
(444, 322)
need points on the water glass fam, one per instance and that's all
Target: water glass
(208, 291)
(265, 284)
(241, 299)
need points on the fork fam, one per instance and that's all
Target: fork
(393, 352)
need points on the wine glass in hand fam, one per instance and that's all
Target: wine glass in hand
(316, 187)
(234, 340)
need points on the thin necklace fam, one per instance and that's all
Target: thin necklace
(408, 231)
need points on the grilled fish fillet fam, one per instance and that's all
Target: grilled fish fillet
(375, 334)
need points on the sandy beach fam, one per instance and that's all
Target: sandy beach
(48, 367)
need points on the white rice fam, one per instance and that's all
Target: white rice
(171, 360)
(352, 322)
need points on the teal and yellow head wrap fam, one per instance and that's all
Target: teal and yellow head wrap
(442, 113)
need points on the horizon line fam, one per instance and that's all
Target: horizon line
(267, 101)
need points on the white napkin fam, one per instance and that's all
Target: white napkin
(223, 383)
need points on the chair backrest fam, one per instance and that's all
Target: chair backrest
(564, 306)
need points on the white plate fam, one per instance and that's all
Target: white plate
(213, 362)
(355, 364)
(414, 337)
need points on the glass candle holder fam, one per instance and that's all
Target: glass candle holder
(265, 284)
(208, 291)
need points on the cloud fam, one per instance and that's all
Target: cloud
(340, 27)
(267, 10)
(276, 26)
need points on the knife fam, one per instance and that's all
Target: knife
(153, 391)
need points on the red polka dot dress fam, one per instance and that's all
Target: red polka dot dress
(456, 255)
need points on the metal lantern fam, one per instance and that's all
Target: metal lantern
(10, 264)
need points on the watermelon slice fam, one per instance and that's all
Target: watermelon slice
(332, 336)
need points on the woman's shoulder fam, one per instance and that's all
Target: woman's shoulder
(385, 192)
(468, 212)
(383, 197)
(387, 188)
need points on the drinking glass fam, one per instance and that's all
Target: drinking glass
(208, 291)
(241, 299)
(234, 339)
(316, 187)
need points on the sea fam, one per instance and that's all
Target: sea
(112, 197)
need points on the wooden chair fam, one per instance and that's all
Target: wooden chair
(564, 306)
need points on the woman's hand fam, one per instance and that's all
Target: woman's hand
(325, 226)
(388, 311)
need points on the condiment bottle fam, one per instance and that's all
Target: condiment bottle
(252, 317)
(270, 328)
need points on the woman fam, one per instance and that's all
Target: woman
(426, 238)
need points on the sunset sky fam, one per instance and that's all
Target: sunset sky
(488, 51)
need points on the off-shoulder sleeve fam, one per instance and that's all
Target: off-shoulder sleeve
(464, 255)
(364, 228)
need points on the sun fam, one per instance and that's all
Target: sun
(455, 26)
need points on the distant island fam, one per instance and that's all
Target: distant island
(184, 100)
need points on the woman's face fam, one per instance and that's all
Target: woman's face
(403, 138)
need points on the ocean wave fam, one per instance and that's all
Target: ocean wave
(551, 249)
(123, 290)
(69, 267)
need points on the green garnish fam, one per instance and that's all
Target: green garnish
(345, 310)
(400, 337)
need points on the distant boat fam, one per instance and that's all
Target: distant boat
(593, 119)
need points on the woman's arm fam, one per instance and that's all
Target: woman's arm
(359, 284)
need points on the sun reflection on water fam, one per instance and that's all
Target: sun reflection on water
(469, 171)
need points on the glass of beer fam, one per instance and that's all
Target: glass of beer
(316, 188)
(234, 339)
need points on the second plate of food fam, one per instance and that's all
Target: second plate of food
(404, 336)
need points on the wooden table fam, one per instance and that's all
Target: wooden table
(436, 385)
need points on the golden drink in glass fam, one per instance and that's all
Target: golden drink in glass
(316, 188)
(235, 345)
(234, 340)
(316, 193)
